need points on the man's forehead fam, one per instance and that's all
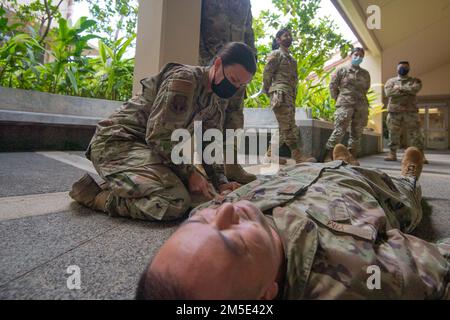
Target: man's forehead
(239, 73)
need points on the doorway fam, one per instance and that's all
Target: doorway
(434, 125)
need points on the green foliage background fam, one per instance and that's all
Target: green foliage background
(60, 64)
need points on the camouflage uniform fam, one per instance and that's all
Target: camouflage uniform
(280, 83)
(223, 22)
(336, 220)
(403, 112)
(131, 149)
(349, 86)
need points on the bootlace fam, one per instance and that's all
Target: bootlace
(411, 170)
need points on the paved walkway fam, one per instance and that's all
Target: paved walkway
(42, 232)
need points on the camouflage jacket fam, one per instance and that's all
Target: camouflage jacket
(280, 73)
(349, 86)
(338, 221)
(223, 22)
(172, 99)
(402, 92)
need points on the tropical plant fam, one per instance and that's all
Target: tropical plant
(64, 72)
(113, 76)
(67, 68)
(17, 53)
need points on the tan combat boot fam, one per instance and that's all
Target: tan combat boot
(100, 201)
(392, 156)
(328, 156)
(341, 152)
(296, 154)
(235, 172)
(353, 158)
(85, 190)
(412, 163)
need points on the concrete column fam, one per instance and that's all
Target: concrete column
(373, 64)
(167, 31)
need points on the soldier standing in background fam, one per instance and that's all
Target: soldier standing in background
(223, 22)
(349, 87)
(280, 83)
(403, 112)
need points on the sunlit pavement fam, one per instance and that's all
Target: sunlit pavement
(42, 232)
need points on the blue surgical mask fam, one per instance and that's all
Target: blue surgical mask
(356, 61)
(403, 71)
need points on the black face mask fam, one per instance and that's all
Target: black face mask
(403, 71)
(286, 43)
(224, 89)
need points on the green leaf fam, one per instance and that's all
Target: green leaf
(87, 24)
(102, 52)
(124, 47)
(3, 23)
(72, 79)
(63, 28)
(109, 52)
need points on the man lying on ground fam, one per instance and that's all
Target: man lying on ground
(315, 231)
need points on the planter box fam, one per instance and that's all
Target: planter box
(314, 134)
(31, 120)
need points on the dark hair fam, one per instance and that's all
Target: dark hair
(156, 286)
(275, 44)
(238, 53)
(358, 49)
(403, 62)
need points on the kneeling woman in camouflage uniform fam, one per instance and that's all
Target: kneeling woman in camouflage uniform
(280, 83)
(131, 150)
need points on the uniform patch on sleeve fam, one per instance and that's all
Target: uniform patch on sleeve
(179, 104)
(183, 86)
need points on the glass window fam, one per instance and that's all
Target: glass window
(437, 118)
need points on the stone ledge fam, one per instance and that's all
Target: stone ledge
(42, 102)
(46, 118)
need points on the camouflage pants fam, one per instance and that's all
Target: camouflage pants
(234, 118)
(396, 121)
(345, 116)
(282, 104)
(234, 113)
(400, 197)
(147, 192)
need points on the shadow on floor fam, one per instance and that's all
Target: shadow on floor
(425, 229)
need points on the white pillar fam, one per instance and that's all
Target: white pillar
(168, 31)
(373, 64)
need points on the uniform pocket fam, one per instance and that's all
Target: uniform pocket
(367, 232)
(278, 98)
